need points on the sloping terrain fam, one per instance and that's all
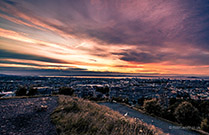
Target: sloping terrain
(75, 116)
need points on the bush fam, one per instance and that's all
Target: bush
(103, 90)
(205, 125)
(169, 112)
(66, 91)
(187, 114)
(152, 107)
(140, 101)
(22, 91)
(32, 91)
(204, 108)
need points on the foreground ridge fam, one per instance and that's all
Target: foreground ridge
(78, 116)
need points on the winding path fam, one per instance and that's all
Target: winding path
(166, 127)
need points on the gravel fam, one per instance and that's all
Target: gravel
(27, 116)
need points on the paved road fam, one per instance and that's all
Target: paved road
(166, 127)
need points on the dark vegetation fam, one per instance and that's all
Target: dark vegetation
(194, 113)
(153, 107)
(21, 91)
(77, 116)
(187, 112)
(24, 91)
(66, 91)
(102, 94)
(103, 90)
(32, 91)
(205, 124)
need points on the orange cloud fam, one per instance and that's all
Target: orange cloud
(147, 40)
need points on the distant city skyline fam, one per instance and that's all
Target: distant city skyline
(109, 37)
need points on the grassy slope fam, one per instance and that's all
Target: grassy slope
(75, 116)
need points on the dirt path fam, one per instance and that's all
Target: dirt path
(28, 116)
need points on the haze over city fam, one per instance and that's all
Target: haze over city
(111, 37)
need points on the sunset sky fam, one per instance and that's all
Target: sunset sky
(74, 37)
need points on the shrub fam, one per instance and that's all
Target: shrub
(66, 91)
(21, 91)
(32, 91)
(205, 125)
(103, 90)
(153, 107)
(140, 101)
(169, 112)
(187, 114)
(204, 108)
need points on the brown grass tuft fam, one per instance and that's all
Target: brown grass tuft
(75, 116)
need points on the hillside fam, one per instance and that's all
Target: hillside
(77, 116)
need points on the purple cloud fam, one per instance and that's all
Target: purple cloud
(138, 23)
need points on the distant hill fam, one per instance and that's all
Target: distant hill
(78, 117)
(193, 77)
(3, 75)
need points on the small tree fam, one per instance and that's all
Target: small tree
(205, 125)
(21, 91)
(204, 109)
(169, 112)
(187, 114)
(66, 91)
(103, 90)
(32, 91)
(152, 107)
(140, 101)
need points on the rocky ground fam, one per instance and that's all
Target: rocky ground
(27, 116)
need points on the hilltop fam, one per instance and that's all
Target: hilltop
(27, 116)
(72, 116)
(78, 116)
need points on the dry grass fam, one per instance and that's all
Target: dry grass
(75, 116)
